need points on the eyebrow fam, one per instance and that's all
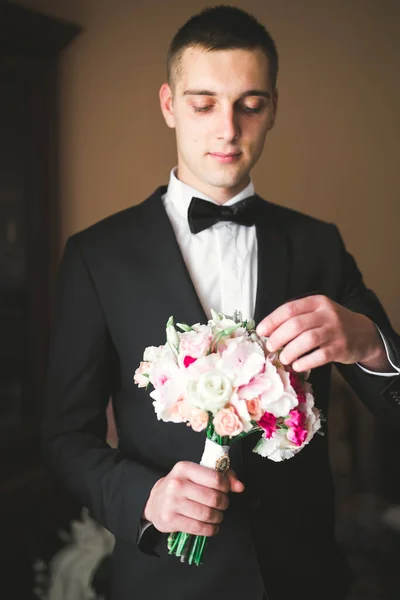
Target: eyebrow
(262, 93)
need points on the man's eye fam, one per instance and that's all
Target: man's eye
(252, 109)
(201, 109)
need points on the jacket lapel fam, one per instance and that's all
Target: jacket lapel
(168, 290)
(167, 268)
(273, 261)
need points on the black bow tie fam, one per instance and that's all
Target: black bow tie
(203, 214)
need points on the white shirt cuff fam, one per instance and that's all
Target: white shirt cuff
(396, 368)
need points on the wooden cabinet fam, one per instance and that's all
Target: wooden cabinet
(30, 48)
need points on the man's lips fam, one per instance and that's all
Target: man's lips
(224, 153)
(225, 157)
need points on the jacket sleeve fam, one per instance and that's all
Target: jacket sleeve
(82, 374)
(380, 394)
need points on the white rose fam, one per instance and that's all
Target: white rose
(211, 391)
(282, 406)
(266, 446)
(313, 422)
(152, 353)
(276, 448)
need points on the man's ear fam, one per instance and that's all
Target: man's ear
(166, 104)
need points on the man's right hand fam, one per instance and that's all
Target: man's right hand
(191, 498)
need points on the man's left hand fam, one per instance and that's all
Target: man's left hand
(315, 331)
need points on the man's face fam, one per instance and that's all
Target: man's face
(222, 107)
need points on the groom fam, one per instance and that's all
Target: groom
(208, 241)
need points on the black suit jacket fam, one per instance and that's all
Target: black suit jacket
(118, 283)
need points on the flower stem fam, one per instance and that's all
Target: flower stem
(183, 537)
(200, 550)
(193, 551)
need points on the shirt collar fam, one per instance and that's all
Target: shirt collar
(179, 194)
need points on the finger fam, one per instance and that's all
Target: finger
(286, 311)
(293, 328)
(310, 340)
(235, 484)
(202, 475)
(207, 496)
(200, 512)
(318, 358)
(193, 526)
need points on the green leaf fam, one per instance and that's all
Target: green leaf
(224, 333)
(184, 327)
(246, 433)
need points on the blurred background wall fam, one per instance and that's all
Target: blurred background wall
(333, 152)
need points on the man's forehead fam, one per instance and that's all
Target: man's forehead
(195, 55)
(233, 68)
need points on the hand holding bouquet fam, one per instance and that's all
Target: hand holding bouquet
(220, 378)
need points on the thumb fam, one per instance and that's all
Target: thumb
(235, 485)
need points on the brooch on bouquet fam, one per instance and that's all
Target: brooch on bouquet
(220, 377)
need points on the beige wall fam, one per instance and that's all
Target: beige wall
(333, 152)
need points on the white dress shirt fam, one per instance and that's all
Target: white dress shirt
(221, 260)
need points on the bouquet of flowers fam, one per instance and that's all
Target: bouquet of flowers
(220, 378)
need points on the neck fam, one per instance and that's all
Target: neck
(218, 194)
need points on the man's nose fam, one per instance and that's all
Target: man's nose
(229, 128)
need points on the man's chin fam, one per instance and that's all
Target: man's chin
(225, 175)
(228, 183)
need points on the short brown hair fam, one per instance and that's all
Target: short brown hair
(221, 28)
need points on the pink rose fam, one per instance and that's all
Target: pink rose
(167, 394)
(159, 380)
(141, 377)
(195, 343)
(269, 386)
(227, 422)
(244, 358)
(254, 408)
(198, 419)
(268, 423)
(180, 410)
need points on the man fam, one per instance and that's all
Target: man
(271, 525)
